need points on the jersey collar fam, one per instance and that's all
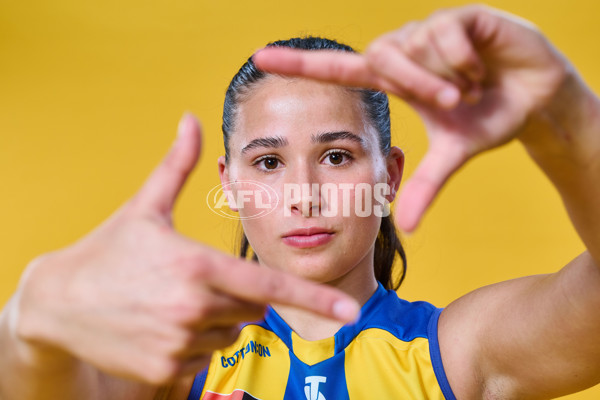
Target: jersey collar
(344, 336)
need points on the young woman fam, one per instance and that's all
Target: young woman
(136, 302)
(285, 133)
(479, 79)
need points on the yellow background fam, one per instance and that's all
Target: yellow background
(91, 92)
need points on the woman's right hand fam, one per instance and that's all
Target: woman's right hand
(135, 299)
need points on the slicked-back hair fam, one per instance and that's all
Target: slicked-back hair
(375, 105)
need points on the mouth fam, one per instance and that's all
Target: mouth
(308, 237)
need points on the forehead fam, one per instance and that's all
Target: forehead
(297, 108)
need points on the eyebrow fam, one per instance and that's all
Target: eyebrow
(271, 141)
(327, 137)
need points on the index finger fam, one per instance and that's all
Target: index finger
(261, 285)
(342, 67)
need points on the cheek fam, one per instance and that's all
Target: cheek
(256, 232)
(360, 200)
(253, 199)
(364, 218)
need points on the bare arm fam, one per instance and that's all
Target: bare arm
(480, 78)
(134, 305)
(62, 377)
(537, 337)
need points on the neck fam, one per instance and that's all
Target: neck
(359, 283)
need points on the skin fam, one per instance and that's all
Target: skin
(296, 111)
(135, 305)
(480, 78)
(79, 328)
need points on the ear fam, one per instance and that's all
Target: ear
(224, 177)
(395, 168)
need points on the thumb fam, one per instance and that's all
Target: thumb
(442, 159)
(159, 192)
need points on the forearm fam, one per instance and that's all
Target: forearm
(34, 371)
(564, 140)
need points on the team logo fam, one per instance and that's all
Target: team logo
(251, 348)
(255, 198)
(311, 390)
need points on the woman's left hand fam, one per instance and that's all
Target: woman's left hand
(475, 75)
(479, 78)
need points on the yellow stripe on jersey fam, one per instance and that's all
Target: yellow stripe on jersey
(380, 366)
(238, 366)
(313, 352)
(391, 352)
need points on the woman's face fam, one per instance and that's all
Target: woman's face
(294, 132)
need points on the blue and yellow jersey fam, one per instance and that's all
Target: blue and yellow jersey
(391, 352)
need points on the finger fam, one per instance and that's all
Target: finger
(195, 365)
(456, 48)
(265, 286)
(440, 162)
(333, 66)
(417, 42)
(212, 339)
(226, 310)
(386, 60)
(164, 184)
(343, 68)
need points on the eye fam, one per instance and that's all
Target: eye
(337, 157)
(267, 163)
(270, 163)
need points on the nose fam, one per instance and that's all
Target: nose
(306, 199)
(302, 192)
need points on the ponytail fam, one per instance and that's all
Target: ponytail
(387, 246)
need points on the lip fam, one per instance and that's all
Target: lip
(308, 237)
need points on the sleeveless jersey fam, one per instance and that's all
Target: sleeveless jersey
(391, 352)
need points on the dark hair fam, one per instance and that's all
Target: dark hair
(376, 107)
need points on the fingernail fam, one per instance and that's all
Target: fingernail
(346, 310)
(257, 52)
(448, 97)
(256, 58)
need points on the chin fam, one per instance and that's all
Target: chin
(320, 271)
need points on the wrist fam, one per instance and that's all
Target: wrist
(31, 319)
(567, 129)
